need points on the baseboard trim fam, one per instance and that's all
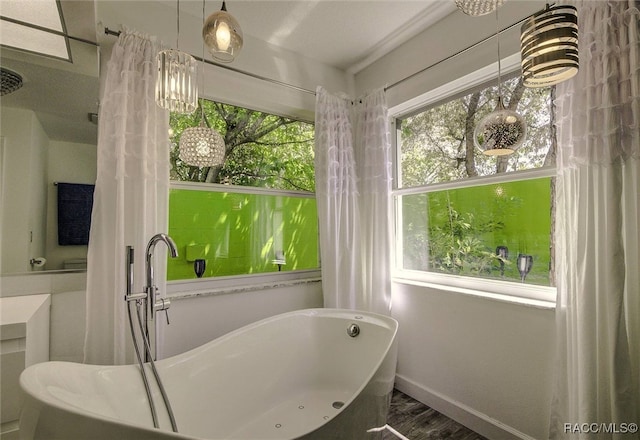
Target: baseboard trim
(461, 413)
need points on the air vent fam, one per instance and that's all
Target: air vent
(11, 81)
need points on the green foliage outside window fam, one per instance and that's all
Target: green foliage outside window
(459, 231)
(262, 150)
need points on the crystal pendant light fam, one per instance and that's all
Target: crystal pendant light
(502, 131)
(478, 7)
(222, 35)
(176, 86)
(549, 46)
(202, 146)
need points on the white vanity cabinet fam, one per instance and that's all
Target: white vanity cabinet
(24, 341)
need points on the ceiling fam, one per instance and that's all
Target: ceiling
(346, 34)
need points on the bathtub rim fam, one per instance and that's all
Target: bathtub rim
(358, 315)
(58, 406)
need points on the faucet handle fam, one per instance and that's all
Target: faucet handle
(162, 305)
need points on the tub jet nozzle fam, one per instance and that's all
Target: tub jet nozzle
(353, 330)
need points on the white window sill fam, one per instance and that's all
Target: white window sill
(497, 290)
(239, 284)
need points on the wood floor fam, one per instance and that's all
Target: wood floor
(416, 421)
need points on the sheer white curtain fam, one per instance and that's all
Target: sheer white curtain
(353, 186)
(131, 194)
(373, 167)
(598, 309)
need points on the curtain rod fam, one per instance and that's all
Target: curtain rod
(312, 92)
(465, 50)
(234, 69)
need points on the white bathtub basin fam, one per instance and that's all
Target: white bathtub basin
(298, 375)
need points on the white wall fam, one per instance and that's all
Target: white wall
(23, 212)
(484, 362)
(37, 199)
(196, 320)
(83, 170)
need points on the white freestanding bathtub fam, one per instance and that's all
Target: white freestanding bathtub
(298, 375)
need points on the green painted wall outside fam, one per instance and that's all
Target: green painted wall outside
(474, 221)
(239, 233)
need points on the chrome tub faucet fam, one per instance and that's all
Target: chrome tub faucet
(144, 315)
(157, 304)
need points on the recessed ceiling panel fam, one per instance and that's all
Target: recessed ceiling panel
(33, 40)
(35, 26)
(43, 13)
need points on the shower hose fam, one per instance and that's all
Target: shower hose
(145, 380)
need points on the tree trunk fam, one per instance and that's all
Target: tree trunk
(514, 100)
(212, 174)
(516, 95)
(469, 158)
(501, 164)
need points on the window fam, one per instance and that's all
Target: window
(463, 216)
(256, 213)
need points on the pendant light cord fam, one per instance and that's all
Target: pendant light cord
(201, 70)
(178, 25)
(499, 61)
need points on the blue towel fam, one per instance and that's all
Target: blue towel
(75, 202)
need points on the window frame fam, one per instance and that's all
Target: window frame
(511, 291)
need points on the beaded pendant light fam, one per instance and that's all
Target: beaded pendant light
(202, 146)
(478, 7)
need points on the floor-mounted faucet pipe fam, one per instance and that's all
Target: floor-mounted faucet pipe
(140, 299)
(163, 393)
(145, 381)
(151, 288)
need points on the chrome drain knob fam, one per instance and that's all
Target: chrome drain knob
(353, 330)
